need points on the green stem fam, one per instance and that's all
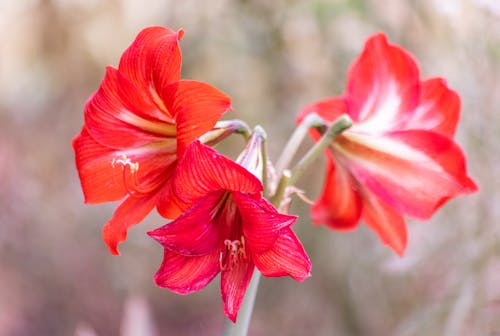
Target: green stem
(224, 129)
(239, 126)
(240, 328)
(338, 126)
(280, 189)
(312, 120)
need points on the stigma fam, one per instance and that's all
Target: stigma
(125, 161)
(233, 252)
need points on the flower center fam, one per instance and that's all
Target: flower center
(130, 171)
(232, 254)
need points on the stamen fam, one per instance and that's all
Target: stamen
(125, 161)
(221, 264)
(243, 249)
(130, 181)
(234, 254)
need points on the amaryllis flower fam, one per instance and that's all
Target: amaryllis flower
(137, 125)
(229, 228)
(399, 158)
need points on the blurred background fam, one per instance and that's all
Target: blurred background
(272, 57)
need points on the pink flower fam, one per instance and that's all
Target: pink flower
(137, 125)
(399, 158)
(228, 228)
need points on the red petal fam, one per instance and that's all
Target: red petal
(170, 206)
(100, 181)
(106, 174)
(194, 232)
(387, 223)
(329, 109)
(234, 283)
(196, 107)
(382, 85)
(118, 115)
(413, 171)
(152, 61)
(184, 275)
(286, 257)
(131, 211)
(261, 222)
(202, 170)
(339, 205)
(438, 110)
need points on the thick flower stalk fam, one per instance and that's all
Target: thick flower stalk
(399, 157)
(227, 227)
(137, 125)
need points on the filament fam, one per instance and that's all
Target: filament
(130, 178)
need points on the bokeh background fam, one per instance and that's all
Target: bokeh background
(272, 57)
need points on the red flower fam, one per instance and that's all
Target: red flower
(399, 158)
(136, 126)
(229, 228)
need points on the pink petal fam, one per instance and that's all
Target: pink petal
(339, 205)
(196, 107)
(186, 274)
(286, 257)
(100, 181)
(387, 223)
(439, 108)
(234, 282)
(193, 233)
(382, 86)
(202, 170)
(118, 115)
(261, 222)
(413, 171)
(130, 212)
(152, 61)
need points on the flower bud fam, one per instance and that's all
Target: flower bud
(252, 157)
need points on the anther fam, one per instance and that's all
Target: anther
(235, 253)
(125, 161)
(130, 178)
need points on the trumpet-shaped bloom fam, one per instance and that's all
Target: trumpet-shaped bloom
(399, 158)
(227, 228)
(137, 125)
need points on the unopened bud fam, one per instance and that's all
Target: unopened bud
(252, 157)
